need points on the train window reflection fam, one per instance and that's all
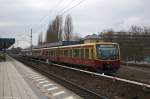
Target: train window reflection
(107, 52)
(87, 53)
(82, 53)
(76, 53)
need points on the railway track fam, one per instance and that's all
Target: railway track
(111, 87)
(81, 91)
(141, 66)
(134, 73)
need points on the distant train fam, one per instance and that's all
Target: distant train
(101, 57)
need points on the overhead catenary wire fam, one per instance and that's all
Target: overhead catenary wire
(63, 11)
(50, 12)
(41, 20)
(73, 6)
(66, 6)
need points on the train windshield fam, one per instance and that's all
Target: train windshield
(107, 51)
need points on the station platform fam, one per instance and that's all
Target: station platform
(18, 81)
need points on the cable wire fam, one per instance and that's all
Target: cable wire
(65, 11)
(73, 6)
(44, 17)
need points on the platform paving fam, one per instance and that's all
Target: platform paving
(17, 81)
(12, 84)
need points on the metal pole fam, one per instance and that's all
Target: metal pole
(31, 41)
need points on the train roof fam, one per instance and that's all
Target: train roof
(76, 45)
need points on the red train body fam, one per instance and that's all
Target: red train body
(101, 57)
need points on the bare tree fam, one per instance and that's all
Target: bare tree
(68, 28)
(76, 37)
(59, 21)
(40, 39)
(136, 29)
(54, 32)
(50, 34)
(108, 35)
(146, 32)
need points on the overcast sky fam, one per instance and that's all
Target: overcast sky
(17, 17)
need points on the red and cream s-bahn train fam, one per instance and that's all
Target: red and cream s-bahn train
(101, 57)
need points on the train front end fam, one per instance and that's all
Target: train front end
(107, 57)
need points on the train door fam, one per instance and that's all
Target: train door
(82, 55)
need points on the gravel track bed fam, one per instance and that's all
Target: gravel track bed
(110, 88)
(80, 90)
(134, 73)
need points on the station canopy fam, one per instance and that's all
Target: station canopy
(6, 43)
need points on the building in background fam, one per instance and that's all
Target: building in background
(92, 38)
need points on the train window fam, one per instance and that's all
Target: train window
(36, 53)
(70, 53)
(56, 52)
(87, 53)
(49, 52)
(92, 54)
(45, 53)
(52, 53)
(82, 53)
(66, 52)
(76, 53)
(62, 52)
